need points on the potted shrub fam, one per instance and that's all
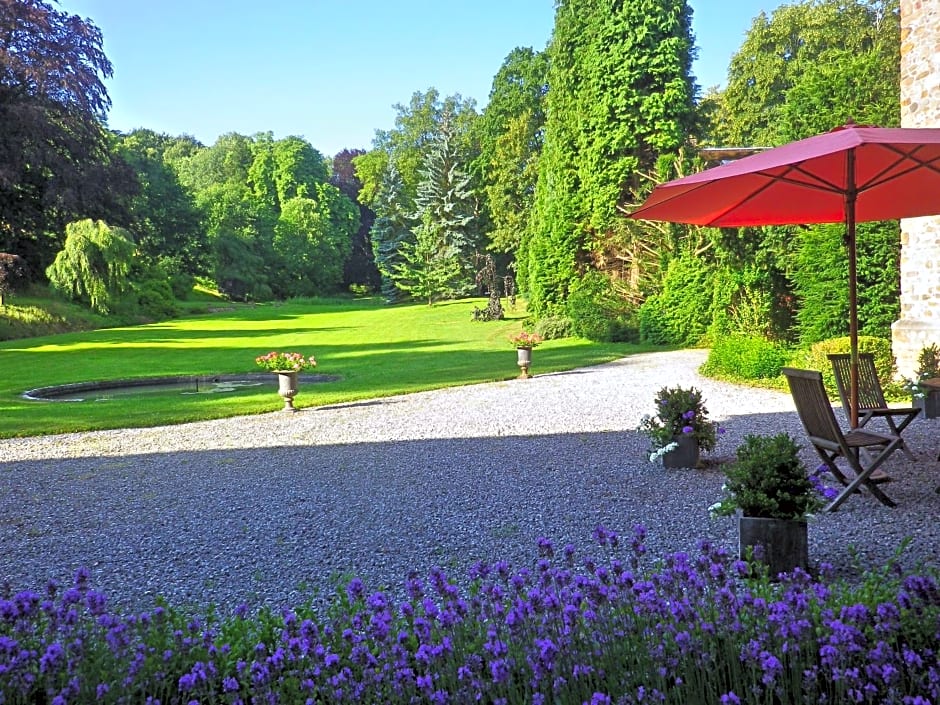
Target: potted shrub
(680, 429)
(925, 389)
(770, 488)
(523, 342)
(286, 365)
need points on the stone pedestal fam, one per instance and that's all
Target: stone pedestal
(919, 324)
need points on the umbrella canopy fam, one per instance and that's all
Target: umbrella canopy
(847, 175)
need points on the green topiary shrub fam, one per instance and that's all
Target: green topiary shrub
(553, 327)
(680, 314)
(598, 313)
(749, 357)
(815, 358)
(652, 322)
(768, 479)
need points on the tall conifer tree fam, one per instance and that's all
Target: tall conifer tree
(620, 95)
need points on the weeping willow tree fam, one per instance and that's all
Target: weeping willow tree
(94, 264)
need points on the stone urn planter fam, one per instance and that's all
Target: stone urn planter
(686, 454)
(524, 360)
(286, 365)
(287, 388)
(781, 544)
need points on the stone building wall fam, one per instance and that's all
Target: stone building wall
(919, 323)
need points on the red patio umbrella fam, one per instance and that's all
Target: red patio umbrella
(850, 174)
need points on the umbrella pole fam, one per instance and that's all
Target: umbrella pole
(850, 198)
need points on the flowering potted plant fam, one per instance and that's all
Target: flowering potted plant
(926, 396)
(286, 365)
(285, 362)
(771, 488)
(681, 429)
(525, 339)
(523, 342)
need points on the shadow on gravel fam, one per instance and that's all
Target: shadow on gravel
(270, 525)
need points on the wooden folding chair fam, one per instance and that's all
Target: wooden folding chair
(819, 421)
(871, 398)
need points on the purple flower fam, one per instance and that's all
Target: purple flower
(545, 547)
(687, 429)
(52, 656)
(689, 415)
(355, 589)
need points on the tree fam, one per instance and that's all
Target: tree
(391, 230)
(359, 268)
(425, 269)
(805, 69)
(13, 273)
(54, 160)
(416, 128)
(164, 218)
(313, 238)
(93, 266)
(621, 95)
(812, 66)
(391, 172)
(510, 136)
(446, 200)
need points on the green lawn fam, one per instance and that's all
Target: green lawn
(375, 349)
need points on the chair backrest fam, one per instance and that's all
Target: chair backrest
(813, 407)
(870, 394)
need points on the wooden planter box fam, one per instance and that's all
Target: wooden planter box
(685, 456)
(781, 544)
(930, 404)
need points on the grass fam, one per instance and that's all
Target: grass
(376, 350)
(36, 314)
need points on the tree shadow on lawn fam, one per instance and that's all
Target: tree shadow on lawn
(267, 525)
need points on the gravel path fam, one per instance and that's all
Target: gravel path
(264, 509)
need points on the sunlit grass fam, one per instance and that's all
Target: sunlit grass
(375, 350)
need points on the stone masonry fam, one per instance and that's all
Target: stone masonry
(919, 324)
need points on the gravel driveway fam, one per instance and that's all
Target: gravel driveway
(266, 509)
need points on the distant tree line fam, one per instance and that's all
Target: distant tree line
(571, 138)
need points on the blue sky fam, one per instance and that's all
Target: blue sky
(331, 70)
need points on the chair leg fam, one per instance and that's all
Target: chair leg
(907, 451)
(830, 463)
(896, 430)
(853, 486)
(861, 478)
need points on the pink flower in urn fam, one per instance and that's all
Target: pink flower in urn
(285, 362)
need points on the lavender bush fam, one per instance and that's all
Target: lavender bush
(701, 628)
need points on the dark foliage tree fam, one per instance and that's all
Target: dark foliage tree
(13, 274)
(492, 285)
(54, 157)
(359, 268)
